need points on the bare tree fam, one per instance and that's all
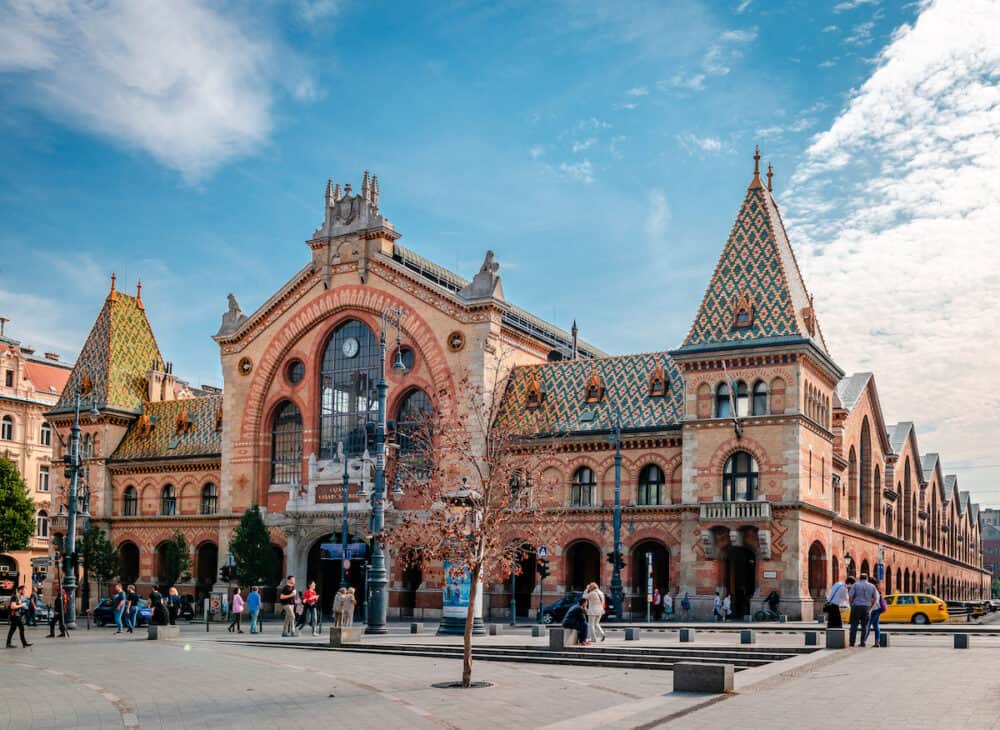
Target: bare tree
(473, 498)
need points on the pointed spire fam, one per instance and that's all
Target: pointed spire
(138, 294)
(756, 183)
(574, 331)
(336, 192)
(375, 192)
(329, 192)
(770, 174)
(366, 187)
(113, 295)
(347, 189)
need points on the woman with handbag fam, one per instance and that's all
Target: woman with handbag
(877, 610)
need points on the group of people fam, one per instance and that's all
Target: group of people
(866, 604)
(125, 604)
(302, 609)
(585, 617)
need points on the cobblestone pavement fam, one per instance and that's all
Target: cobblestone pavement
(98, 680)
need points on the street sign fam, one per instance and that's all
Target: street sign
(543, 552)
(41, 562)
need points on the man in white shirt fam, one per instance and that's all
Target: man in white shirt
(839, 596)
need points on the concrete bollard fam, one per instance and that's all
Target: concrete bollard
(747, 637)
(495, 629)
(812, 638)
(782, 619)
(883, 640)
(416, 628)
(560, 638)
(537, 630)
(747, 619)
(341, 635)
(961, 641)
(163, 632)
(821, 620)
(699, 677)
(632, 634)
(836, 638)
(687, 635)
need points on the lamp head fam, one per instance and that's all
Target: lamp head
(95, 415)
(399, 366)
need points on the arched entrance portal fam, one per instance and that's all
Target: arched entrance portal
(324, 568)
(128, 562)
(817, 571)
(583, 565)
(206, 569)
(740, 579)
(638, 571)
(413, 577)
(524, 584)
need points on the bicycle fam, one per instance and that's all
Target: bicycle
(766, 613)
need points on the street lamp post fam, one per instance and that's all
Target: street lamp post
(343, 528)
(378, 605)
(616, 521)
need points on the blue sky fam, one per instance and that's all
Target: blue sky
(601, 149)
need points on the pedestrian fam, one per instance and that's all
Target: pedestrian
(158, 611)
(131, 608)
(33, 607)
(57, 619)
(310, 598)
(668, 606)
(877, 610)
(173, 605)
(18, 613)
(863, 596)
(577, 618)
(338, 607)
(727, 608)
(717, 607)
(287, 600)
(347, 608)
(118, 605)
(253, 606)
(236, 611)
(594, 600)
(686, 606)
(657, 604)
(838, 598)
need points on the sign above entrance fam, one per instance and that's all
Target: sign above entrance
(335, 551)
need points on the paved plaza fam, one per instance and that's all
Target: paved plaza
(214, 679)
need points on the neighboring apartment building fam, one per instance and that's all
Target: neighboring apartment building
(30, 385)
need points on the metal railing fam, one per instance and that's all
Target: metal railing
(734, 511)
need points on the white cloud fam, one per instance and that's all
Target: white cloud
(657, 216)
(638, 91)
(314, 11)
(829, 63)
(613, 148)
(743, 6)
(177, 79)
(739, 36)
(682, 80)
(627, 106)
(717, 58)
(591, 123)
(831, 29)
(581, 171)
(536, 151)
(585, 144)
(690, 141)
(851, 4)
(861, 34)
(895, 210)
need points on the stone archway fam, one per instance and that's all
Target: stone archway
(817, 571)
(740, 579)
(325, 566)
(583, 565)
(128, 563)
(638, 572)
(206, 569)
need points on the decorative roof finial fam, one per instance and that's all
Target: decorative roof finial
(375, 192)
(770, 174)
(574, 331)
(138, 293)
(366, 187)
(329, 192)
(347, 189)
(113, 295)
(756, 183)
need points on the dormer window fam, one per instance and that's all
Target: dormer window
(535, 395)
(218, 419)
(594, 391)
(184, 424)
(743, 312)
(657, 383)
(144, 426)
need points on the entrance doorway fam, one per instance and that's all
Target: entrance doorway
(740, 579)
(583, 565)
(326, 573)
(637, 565)
(206, 569)
(525, 581)
(817, 571)
(128, 563)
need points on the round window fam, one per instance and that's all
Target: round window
(296, 372)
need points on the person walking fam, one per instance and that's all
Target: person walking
(57, 619)
(594, 600)
(236, 612)
(310, 598)
(347, 608)
(686, 606)
(863, 596)
(287, 600)
(173, 605)
(717, 607)
(338, 607)
(727, 608)
(657, 604)
(118, 605)
(253, 606)
(668, 606)
(33, 608)
(131, 608)
(579, 619)
(877, 610)
(839, 597)
(18, 613)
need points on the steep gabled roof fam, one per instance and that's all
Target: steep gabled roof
(164, 440)
(758, 264)
(928, 464)
(850, 389)
(898, 434)
(625, 382)
(116, 356)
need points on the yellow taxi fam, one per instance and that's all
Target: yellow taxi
(909, 608)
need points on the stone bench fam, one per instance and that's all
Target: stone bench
(164, 632)
(560, 638)
(537, 630)
(632, 634)
(416, 628)
(341, 635)
(747, 636)
(687, 635)
(701, 677)
(836, 638)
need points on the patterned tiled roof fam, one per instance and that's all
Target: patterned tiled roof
(166, 440)
(625, 381)
(757, 263)
(116, 356)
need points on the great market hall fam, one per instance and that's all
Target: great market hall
(752, 462)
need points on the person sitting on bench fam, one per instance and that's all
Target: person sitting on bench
(576, 618)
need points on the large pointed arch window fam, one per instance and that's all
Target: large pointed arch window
(740, 477)
(413, 431)
(348, 399)
(286, 444)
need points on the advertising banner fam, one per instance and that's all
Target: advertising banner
(457, 588)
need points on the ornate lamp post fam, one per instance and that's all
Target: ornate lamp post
(343, 527)
(616, 521)
(378, 605)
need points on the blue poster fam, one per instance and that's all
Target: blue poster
(457, 587)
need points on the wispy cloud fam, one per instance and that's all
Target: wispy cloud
(585, 144)
(682, 80)
(691, 141)
(536, 151)
(581, 171)
(657, 216)
(861, 34)
(178, 80)
(831, 29)
(851, 4)
(744, 4)
(895, 210)
(314, 11)
(638, 91)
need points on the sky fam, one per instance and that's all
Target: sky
(600, 148)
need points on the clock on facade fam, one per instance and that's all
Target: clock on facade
(350, 347)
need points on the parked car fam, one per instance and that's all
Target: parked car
(995, 604)
(43, 612)
(555, 612)
(104, 613)
(909, 608)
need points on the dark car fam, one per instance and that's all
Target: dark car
(555, 612)
(104, 613)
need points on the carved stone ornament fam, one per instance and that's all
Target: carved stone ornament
(708, 544)
(347, 213)
(764, 544)
(245, 366)
(736, 538)
(657, 382)
(232, 318)
(486, 284)
(456, 341)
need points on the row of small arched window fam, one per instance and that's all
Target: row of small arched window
(168, 500)
(747, 402)
(740, 481)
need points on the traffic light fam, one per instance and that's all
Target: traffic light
(611, 559)
(543, 568)
(226, 573)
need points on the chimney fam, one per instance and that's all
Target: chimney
(169, 380)
(154, 382)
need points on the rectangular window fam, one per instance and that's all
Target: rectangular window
(43, 479)
(8, 378)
